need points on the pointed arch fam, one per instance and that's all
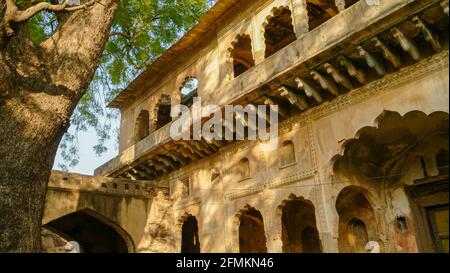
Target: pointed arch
(163, 108)
(241, 54)
(287, 153)
(250, 230)
(94, 232)
(357, 223)
(299, 231)
(278, 30)
(190, 241)
(319, 12)
(142, 126)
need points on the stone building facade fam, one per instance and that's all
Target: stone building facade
(362, 163)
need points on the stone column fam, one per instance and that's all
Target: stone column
(327, 224)
(300, 17)
(258, 41)
(326, 215)
(273, 235)
(177, 237)
(340, 4)
(330, 240)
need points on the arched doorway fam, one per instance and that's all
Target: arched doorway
(402, 160)
(252, 238)
(190, 242)
(319, 12)
(242, 54)
(357, 224)
(299, 230)
(93, 232)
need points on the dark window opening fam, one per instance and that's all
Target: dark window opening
(190, 242)
(279, 31)
(92, 233)
(189, 90)
(142, 129)
(320, 12)
(242, 55)
(357, 232)
(299, 231)
(244, 169)
(163, 114)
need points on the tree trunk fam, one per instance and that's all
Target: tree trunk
(40, 85)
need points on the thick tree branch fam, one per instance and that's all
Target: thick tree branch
(14, 14)
(75, 48)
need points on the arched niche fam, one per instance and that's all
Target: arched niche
(299, 229)
(242, 54)
(278, 30)
(252, 238)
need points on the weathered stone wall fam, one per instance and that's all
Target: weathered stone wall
(318, 136)
(339, 182)
(154, 220)
(133, 206)
(210, 61)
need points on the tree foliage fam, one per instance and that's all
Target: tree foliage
(142, 30)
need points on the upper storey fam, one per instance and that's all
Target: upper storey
(233, 38)
(293, 53)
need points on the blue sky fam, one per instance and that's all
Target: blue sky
(89, 161)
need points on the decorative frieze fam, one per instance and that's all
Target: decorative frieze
(278, 182)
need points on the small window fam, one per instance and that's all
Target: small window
(163, 114)
(278, 31)
(242, 54)
(136, 187)
(115, 186)
(320, 11)
(189, 90)
(243, 170)
(287, 154)
(441, 159)
(142, 128)
(127, 187)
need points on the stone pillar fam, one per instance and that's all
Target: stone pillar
(326, 215)
(327, 224)
(340, 4)
(273, 235)
(275, 244)
(300, 17)
(258, 46)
